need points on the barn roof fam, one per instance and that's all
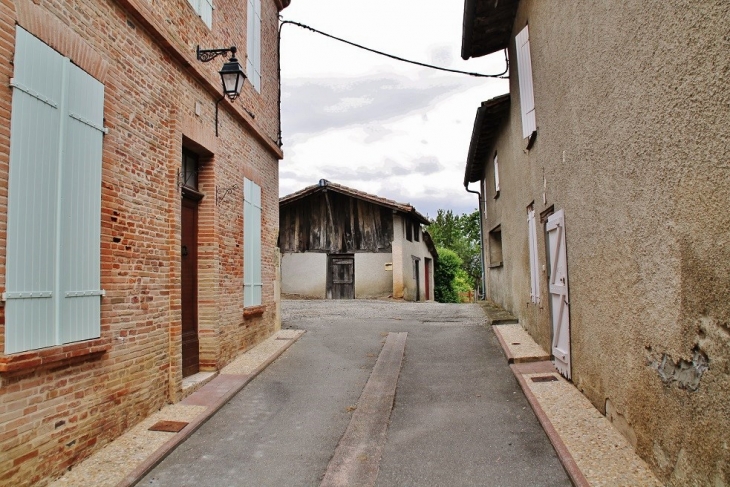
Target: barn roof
(325, 185)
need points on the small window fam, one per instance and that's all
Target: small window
(417, 232)
(416, 260)
(409, 231)
(495, 247)
(190, 165)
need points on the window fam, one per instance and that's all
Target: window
(409, 231)
(534, 265)
(495, 247)
(496, 176)
(252, 284)
(253, 43)
(54, 201)
(416, 232)
(204, 9)
(524, 73)
(416, 261)
(190, 170)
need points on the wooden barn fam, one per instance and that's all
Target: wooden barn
(340, 243)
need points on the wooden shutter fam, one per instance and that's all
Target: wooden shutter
(206, 12)
(253, 43)
(496, 174)
(55, 178)
(80, 209)
(524, 74)
(253, 285)
(534, 265)
(559, 298)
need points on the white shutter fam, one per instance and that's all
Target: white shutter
(524, 74)
(32, 195)
(534, 265)
(80, 208)
(558, 289)
(252, 282)
(206, 12)
(496, 174)
(53, 199)
(253, 43)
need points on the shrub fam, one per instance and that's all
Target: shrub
(447, 269)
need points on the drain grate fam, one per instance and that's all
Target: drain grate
(544, 378)
(282, 338)
(168, 426)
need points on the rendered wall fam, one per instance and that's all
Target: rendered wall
(371, 278)
(632, 112)
(407, 250)
(304, 274)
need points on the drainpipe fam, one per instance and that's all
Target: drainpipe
(481, 240)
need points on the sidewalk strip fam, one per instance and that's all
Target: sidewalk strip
(356, 459)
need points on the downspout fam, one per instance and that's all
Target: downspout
(481, 240)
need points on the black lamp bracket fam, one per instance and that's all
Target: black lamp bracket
(206, 55)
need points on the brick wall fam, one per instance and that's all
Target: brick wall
(59, 405)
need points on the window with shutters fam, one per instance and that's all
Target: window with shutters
(204, 9)
(524, 75)
(52, 292)
(253, 43)
(534, 264)
(495, 247)
(252, 284)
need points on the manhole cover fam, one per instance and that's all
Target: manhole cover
(169, 426)
(544, 378)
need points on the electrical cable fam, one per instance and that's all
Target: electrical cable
(397, 58)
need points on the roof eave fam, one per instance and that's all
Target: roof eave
(489, 118)
(487, 26)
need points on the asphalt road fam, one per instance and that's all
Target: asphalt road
(459, 416)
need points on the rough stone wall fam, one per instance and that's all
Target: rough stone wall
(55, 415)
(632, 112)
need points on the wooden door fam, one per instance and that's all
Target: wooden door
(341, 272)
(559, 298)
(189, 284)
(417, 277)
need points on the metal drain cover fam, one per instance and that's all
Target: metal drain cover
(169, 426)
(544, 378)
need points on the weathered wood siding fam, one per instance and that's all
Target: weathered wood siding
(334, 223)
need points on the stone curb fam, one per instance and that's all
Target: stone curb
(153, 460)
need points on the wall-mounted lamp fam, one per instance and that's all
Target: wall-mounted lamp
(232, 74)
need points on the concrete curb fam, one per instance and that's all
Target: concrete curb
(153, 460)
(505, 349)
(571, 468)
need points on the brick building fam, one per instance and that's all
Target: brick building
(138, 214)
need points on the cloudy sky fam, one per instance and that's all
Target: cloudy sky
(372, 123)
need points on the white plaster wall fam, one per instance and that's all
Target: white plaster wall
(305, 274)
(408, 250)
(371, 278)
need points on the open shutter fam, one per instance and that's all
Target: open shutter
(534, 265)
(559, 298)
(252, 244)
(524, 74)
(80, 208)
(496, 174)
(32, 195)
(253, 43)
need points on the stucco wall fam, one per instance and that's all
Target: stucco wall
(407, 251)
(371, 278)
(305, 274)
(632, 111)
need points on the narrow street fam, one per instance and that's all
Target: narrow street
(459, 416)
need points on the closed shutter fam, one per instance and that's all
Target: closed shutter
(534, 266)
(496, 174)
(524, 74)
(206, 12)
(55, 176)
(80, 208)
(253, 285)
(253, 43)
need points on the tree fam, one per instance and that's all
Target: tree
(447, 268)
(460, 233)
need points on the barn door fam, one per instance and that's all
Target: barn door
(341, 273)
(559, 299)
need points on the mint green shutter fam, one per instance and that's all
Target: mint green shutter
(80, 207)
(45, 175)
(253, 43)
(252, 243)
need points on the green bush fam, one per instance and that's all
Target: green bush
(448, 267)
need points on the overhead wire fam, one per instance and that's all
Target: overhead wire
(398, 58)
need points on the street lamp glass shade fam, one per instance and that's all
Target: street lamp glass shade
(233, 77)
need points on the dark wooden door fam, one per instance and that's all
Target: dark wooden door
(427, 271)
(417, 277)
(341, 282)
(189, 283)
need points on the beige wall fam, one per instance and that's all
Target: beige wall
(304, 274)
(407, 251)
(632, 112)
(372, 279)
